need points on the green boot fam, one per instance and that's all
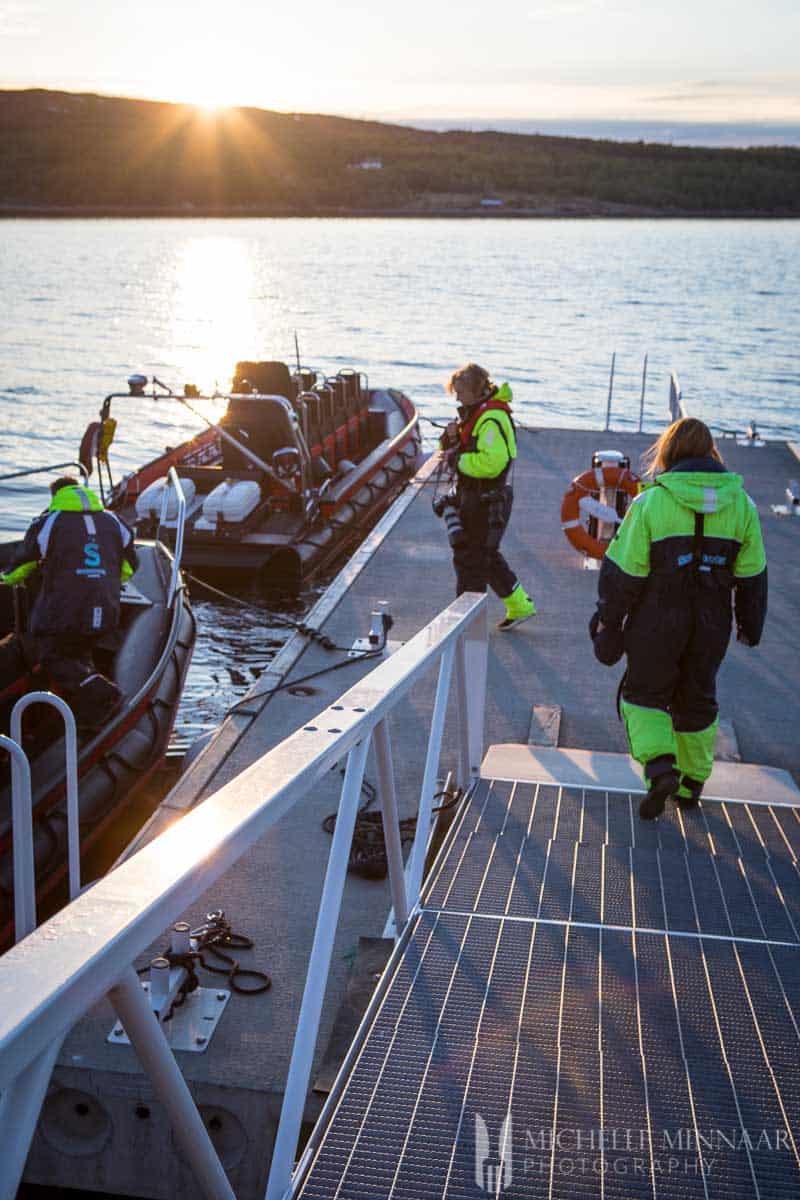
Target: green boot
(519, 607)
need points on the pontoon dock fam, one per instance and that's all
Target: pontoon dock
(567, 963)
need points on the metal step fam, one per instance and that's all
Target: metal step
(619, 773)
(586, 1005)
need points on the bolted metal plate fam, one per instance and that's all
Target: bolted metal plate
(192, 1024)
(363, 645)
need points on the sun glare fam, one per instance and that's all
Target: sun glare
(211, 108)
(214, 320)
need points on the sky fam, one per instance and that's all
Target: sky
(688, 60)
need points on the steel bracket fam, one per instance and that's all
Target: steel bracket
(192, 1023)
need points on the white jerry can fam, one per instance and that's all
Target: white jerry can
(231, 502)
(148, 503)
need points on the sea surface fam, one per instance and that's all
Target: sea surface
(729, 135)
(543, 304)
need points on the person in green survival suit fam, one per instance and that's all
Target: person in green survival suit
(689, 542)
(83, 553)
(480, 448)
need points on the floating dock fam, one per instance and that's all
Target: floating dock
(611, 902)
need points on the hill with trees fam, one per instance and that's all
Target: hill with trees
(78, 154)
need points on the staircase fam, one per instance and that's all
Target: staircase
(624, 990)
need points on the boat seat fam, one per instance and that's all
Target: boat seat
(312, 403)
(265, 378)
(261, 424)
(352, 389)
(204, 478)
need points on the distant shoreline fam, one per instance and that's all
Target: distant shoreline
(568, 211)
(82, 156)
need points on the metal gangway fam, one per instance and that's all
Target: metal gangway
(85, 953)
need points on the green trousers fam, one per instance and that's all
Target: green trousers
(651, 734)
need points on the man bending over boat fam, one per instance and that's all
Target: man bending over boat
(84, 554)
(480, 449)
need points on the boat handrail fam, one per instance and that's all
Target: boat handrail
(45, 470)
(173, 481)
(169, 394)
(86, 951)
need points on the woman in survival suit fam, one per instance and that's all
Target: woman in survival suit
(480, 448)
(689, 543)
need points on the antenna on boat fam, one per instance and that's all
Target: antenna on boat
(296, 350)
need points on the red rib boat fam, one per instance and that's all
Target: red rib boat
(288, 479)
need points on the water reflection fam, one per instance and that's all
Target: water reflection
(213, 310)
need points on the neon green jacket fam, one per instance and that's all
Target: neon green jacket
(67, 499)
(657, 538)
(494, 441)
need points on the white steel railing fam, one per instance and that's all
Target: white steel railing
(22, 831)
(22, 1098)
(677, 408)
(607, 426)
(86, 951)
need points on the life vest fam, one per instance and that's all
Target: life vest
(466, 427)
(81, 548)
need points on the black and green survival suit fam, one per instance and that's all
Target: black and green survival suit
(689, 543)
(82, 554)
(486, 452)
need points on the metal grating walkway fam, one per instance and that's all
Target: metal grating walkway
(557, 972)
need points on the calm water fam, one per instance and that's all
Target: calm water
(542, 303)
(722, 134)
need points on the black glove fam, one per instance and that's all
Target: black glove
(608, 643)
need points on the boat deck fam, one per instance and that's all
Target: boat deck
(273, 893)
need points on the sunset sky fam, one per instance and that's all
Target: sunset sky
(686, 59)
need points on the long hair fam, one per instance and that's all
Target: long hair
(686, 438)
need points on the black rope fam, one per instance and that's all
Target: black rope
(346, 662)
(308, 631)
(210, 937)
(368, 848)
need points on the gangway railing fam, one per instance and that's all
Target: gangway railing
(21, 1099)
(677, 408)
(607, 426)
(86, 951)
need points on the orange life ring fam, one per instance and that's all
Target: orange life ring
(588, 485)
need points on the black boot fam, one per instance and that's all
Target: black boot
(694, 787)
(96, 701)
(663, 779)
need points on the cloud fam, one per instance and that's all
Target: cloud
(759, 87)
(19, 20)
(569, 8)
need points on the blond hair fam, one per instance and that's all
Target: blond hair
(476, 378)
(686, 438)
